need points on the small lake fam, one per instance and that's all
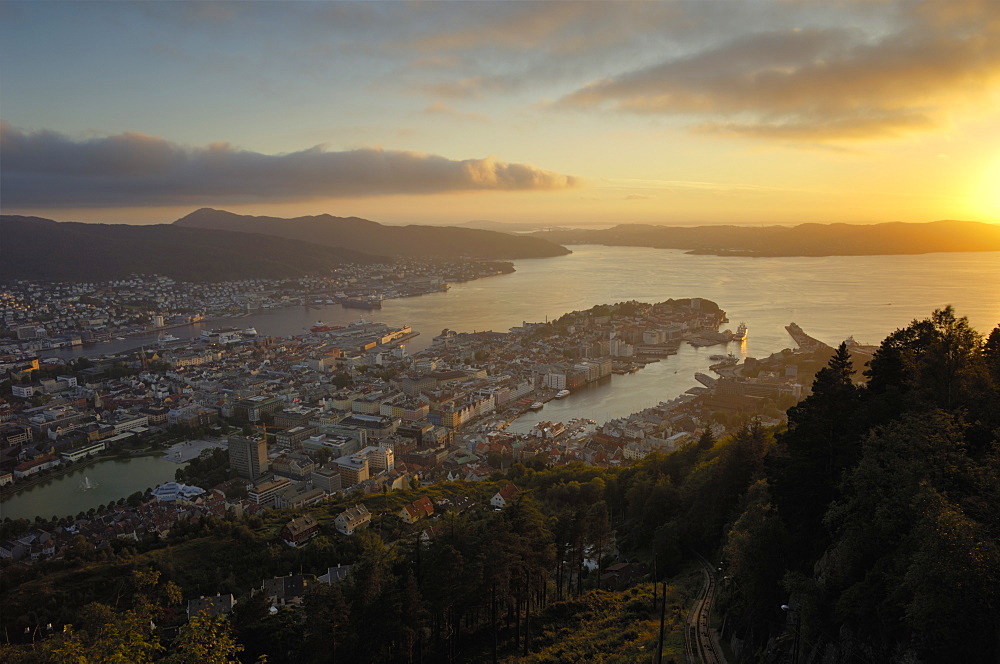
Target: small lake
(110, 480)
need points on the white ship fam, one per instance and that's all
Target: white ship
(538, 405)
(562, 394)
(741, 333)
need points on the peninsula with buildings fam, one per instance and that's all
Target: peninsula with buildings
(36, 316)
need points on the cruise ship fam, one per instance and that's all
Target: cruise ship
(222, 335)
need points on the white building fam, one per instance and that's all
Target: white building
(351, 519)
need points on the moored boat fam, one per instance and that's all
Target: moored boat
(362, 303)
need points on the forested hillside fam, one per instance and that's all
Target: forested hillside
(371, 237)
(36, 248)
(876, 518)
(873, 517)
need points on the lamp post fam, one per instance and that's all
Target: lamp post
(795, 641)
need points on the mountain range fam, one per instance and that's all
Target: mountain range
(374, 238)
(802, 240)
(37, 248)
(213, 245)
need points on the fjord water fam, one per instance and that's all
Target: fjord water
(830, 297)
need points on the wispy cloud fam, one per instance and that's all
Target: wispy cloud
(49, 169)
(820, 83)
(440, 108)
(473, 87)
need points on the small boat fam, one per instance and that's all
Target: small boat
(538, 405)
(562, 394)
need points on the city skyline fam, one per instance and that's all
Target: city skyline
(555, 113)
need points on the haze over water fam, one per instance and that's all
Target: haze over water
(831, 298)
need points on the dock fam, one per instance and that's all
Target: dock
(803, 340)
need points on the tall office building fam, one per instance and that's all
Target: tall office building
(248, 456)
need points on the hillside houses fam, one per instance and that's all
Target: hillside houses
(418, 509)
(350, 520)
(504, 496)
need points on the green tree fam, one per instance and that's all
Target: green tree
(915, 553)
(323, 455)
(204, 639)
(326, 623)
(755, 557)
(822, 440)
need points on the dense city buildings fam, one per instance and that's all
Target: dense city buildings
(343, 409)
(37, 316)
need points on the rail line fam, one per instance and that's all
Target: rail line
(701, 643)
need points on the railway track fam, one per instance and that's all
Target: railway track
(701, 642)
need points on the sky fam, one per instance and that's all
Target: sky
(550, 113)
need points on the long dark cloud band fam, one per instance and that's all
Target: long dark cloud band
(49, 169)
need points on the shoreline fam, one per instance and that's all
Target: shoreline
(9, 491)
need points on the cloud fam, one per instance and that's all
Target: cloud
(510, 25)
(51, 170)
(473, 87)
(440, 108)
(500, 49)
(820, 83)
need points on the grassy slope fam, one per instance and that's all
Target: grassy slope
(612, 626)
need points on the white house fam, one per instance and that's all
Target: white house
(503, 497)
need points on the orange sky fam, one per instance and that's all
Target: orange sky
(550, 113)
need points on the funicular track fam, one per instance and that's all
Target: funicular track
(701, 643)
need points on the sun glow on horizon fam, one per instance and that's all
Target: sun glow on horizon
(987, 196)
(677, 116)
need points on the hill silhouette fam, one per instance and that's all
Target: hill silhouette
(372, 237)
(801, 240)
(37, 248)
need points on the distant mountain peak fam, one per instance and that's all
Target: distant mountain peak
(76, 251)
(371, 237)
